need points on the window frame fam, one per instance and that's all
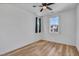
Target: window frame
(57, 25)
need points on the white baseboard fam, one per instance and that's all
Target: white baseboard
(59, 42)
(18, 47)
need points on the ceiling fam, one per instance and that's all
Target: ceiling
(36, 10)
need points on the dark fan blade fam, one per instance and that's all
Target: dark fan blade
(44, 4)
(34, 6)
(50, 4)
(49, 8)
(41, 10)
(40, 6)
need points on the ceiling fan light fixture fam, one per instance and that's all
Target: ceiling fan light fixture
(44, 7)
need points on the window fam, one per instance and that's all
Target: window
(54, 24)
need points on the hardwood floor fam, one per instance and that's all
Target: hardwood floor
(45, 48)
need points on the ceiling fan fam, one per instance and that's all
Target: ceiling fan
(45, 6)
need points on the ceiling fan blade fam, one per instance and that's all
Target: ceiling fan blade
(44, 4)
(40, 6)
(34, 6)
(49, 8)
(41, 10)
(50, 4)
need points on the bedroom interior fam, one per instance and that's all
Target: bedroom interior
(39, 29)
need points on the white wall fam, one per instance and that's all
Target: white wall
(16, 28)
(67, 34)
(77, 41)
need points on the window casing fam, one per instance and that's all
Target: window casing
(54, 24)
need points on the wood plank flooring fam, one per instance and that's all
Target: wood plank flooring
(45, 48)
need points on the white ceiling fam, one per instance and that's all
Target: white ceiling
(56, 7)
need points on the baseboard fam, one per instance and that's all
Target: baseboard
(30, 44)
(18, 48)
(58, 42)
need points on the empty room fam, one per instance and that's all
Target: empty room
(39, 29)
